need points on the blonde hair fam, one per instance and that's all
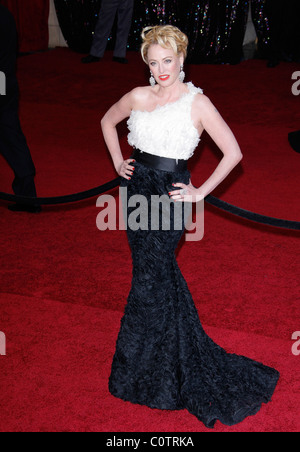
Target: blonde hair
(167, 36)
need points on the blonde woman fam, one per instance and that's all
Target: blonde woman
(163, 358)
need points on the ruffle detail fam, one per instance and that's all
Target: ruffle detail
(168, 131)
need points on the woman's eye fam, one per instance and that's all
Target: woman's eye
(152, 64)
(168, 61)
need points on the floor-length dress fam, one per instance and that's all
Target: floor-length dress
(164, 359)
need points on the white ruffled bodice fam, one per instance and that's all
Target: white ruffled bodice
(167, 131)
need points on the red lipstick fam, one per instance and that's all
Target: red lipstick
(164, 78)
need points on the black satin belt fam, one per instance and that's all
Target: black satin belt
(159, 163)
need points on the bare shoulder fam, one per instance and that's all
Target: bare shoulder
(204, 102)
(204, 108)
(141, 91)
(140, 96)
(133, 100)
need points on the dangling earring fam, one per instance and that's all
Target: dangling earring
(181, 75)
(152, 80)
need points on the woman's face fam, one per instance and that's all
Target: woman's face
(164, 64)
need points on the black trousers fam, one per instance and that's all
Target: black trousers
(14, 148)
(109, 9)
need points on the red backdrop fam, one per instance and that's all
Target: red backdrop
(32, 22)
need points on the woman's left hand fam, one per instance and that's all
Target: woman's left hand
(186, 193)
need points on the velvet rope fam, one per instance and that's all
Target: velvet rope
(234, 210)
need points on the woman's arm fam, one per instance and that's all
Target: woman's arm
(116, 114)
(206, 117)
(216, 127)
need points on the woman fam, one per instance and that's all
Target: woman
(164, 359)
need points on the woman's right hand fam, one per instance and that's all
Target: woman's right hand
(126, 170)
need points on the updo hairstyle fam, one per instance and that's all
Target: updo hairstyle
(167, 36)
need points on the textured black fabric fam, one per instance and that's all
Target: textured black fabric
(164, 359)
(215, 29)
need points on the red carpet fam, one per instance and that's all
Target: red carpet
(64, 284)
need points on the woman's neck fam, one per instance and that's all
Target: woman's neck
(172, 92)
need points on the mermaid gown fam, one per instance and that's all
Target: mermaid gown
(164, 359)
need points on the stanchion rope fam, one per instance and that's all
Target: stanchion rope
(234, 210)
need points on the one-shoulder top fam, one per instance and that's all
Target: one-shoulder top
(167, 131)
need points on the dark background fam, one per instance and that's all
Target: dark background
(216, 28)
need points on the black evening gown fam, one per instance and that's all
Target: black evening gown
(164, 359)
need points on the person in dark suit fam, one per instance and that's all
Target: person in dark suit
(13, 144)
(109, 9)
(284, 20)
